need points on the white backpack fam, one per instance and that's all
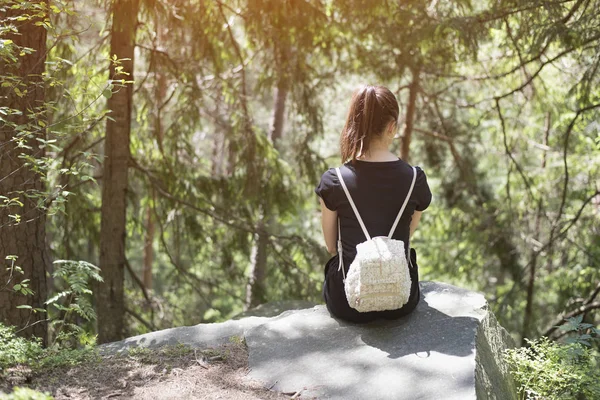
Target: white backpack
(378, 278)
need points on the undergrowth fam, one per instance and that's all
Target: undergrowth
(15, 350)
(548, 370)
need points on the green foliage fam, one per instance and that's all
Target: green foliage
(148, 355)
(15, 350)
(551, 370)
(18, 286)
(512, 163)
(23, 393)
(583, 332)
(56, 357)
(38, 140)
(74, 299)
(239, 340)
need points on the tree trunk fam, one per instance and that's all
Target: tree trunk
(410, 115)
(219, 157)
(217, 154)
(25, 239)
(276, 131)
(255, 290)
(148, 248)
(109, 294)
(150, 228)
(528, 315)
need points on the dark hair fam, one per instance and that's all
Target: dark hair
(372, 109)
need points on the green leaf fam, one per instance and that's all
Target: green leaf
(57, 297)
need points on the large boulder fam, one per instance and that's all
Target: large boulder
(201, 335)
(207, 335)
(274, 308)
(450, 347)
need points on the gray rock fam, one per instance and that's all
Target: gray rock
(207, 335)
(491, 370)
(201, 335)
(275, 308)
(450, 347)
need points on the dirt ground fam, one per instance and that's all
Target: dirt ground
(174, 372)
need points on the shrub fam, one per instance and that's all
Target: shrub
(552, 370)
(17, 350)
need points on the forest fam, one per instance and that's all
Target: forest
(158, 158)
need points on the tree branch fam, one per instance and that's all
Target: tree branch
(137, 280)
(151, 327)
(565, 149)
(509, 153)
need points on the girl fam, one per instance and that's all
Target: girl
(378, 182)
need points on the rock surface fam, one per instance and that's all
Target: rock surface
(207, 335)
(201, 335)
(274, 308)
(450, 347)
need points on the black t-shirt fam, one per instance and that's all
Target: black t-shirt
(378, 190)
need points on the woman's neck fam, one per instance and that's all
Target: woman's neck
(377, 153)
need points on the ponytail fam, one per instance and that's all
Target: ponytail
(372, 108)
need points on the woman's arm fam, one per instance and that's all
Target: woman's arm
(414, 222)
(329, 225)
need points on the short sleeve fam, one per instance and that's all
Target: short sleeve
(328, 189)
(422, 193)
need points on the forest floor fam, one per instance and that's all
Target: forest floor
(171, 372)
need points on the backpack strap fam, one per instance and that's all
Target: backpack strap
(362, 225)
(412, 185)
(360, 221)
(339, 249)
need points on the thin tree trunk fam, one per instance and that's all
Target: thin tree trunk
(276, 131)
(150, 228)
(25, 239)
(410, 115)
(148, 248)
(255, 290)
(217, 154)
(218, 151)
(109, 294)
(528, 315)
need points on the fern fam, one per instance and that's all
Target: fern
(74, 278)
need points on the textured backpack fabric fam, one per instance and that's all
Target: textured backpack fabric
(378, 279)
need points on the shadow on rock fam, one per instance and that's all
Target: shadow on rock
(424, 331)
